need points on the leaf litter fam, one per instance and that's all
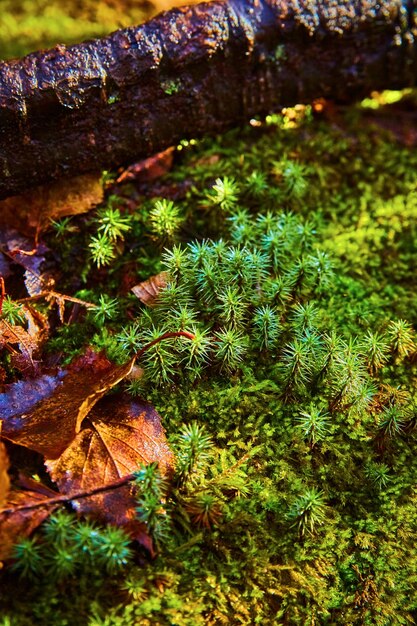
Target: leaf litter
(87, 441)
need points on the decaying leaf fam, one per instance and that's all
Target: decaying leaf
(50, 424)
(18, 523)
(149, 169)
(26, 341)
(22, 396)
(89, 443)
(149, 290)
(14, 335)
(37, 324)
(36, 208)
(4, 476)
(26, 253)
(34, 283)
(119, 435)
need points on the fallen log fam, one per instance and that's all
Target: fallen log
(192, 71)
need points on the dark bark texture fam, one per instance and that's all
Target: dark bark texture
(189, 72)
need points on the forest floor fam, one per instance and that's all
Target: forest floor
(286, 487)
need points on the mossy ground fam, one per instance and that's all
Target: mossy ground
(357, 189)
(319, 524)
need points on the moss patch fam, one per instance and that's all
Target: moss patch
(290, 246)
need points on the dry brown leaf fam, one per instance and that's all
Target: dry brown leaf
(22, 396)
(29, 255)
(4, 476)
(50, 425)
(28, 341)
(18, 524)
(37, 324)
(11, 335)
(149, 169)
(120, 435)
(149, 290)
(35, 209)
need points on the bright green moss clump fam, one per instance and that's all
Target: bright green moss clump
(290, 250)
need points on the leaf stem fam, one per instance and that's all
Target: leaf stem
(58, 296)
(168, 335)
(120, 482)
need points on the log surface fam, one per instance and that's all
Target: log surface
(189, 72)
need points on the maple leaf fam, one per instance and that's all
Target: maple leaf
(119, 435)
(149, 290)
(60, 403)
(15, 522)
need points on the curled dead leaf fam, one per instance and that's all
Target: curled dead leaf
(149, 290)
(28, 341)
(149, 169)
(15, 335)
(28, 254)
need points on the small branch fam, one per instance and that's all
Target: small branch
(189, 72)
(48, 293)
(57, 296)
(120, 482)
(169, 335)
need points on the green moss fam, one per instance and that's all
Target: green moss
(290, 247)
(171, 86)
(27, 25)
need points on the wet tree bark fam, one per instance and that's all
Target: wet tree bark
(192, 71)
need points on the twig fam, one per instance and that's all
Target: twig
(189, 72)
(61, 296)
(120, 482)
